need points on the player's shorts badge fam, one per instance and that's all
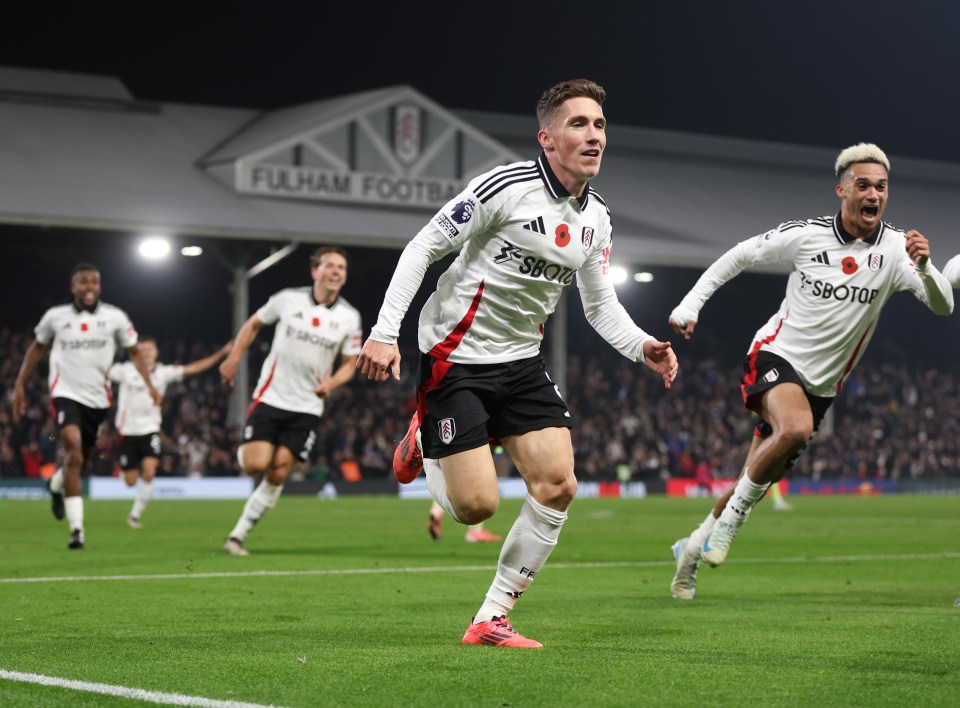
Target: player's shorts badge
(448, 430)
(771, 376)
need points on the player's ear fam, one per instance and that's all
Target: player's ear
(545, 139)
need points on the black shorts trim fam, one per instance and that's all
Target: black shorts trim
(464, 406)
(66, 411)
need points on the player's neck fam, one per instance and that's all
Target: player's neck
(854, 229)
(324, 296)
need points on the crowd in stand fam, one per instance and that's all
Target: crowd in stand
(890, 422)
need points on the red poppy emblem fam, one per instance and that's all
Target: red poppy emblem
(849, 265)
(316, 321)
(563, 235)
(84, 326)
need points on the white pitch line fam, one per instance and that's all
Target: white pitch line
(140, 694)
(472, 568)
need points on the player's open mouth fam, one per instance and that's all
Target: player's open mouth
(592, 153)
(870, 212)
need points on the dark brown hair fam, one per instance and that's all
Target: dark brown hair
(317, 255)
(554, 97)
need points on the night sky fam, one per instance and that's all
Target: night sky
(815, 73)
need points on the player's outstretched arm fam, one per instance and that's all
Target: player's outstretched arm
(343, 374)
(248, 332)
(207, 362)
(137, 358)
(660, 358)
(685, 316)
(31, 358)
(378, 360)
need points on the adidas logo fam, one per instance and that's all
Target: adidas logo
(821, 258)
(536, 226)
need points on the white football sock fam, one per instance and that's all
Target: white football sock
(745, 495)
(703, 530)
(438, 486)
(144, 492)
(74, 507)
(525, 550)
(263, 499)
(56, 480)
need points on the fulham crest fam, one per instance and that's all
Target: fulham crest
(448, 429)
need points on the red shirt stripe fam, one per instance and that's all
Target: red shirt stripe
(445, 348)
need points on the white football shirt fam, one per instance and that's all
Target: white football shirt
(137, 414)
(307, 343)
(82, 347)
(522, 238)
(838, 286)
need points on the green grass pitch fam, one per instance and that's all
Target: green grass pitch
(843, 601)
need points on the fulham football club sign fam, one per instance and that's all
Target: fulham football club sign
(393, 147)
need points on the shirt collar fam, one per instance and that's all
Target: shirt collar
(555, 187)
(91, 310)
(845, 236)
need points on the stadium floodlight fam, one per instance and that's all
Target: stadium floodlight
(618, 275)
(191, 251)
(154, 248)
(643, 277)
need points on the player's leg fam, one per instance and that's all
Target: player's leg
(78, 427)
(791, 420)
(464, 484)
(545, 460)
(148, 470)
(435, 522)
(256, 457)
(130, 478)
(476, 533)
(687, 551)
(292, 432)
(71, 443)
(67, 420)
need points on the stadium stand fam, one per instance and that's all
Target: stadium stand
(891, 422)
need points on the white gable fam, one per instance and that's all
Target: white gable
(393, 147)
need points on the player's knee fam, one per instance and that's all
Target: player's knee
(72, 458)
(251, 463)
(556, 494)
(476, 509)
(793, 438)
(278, 475)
